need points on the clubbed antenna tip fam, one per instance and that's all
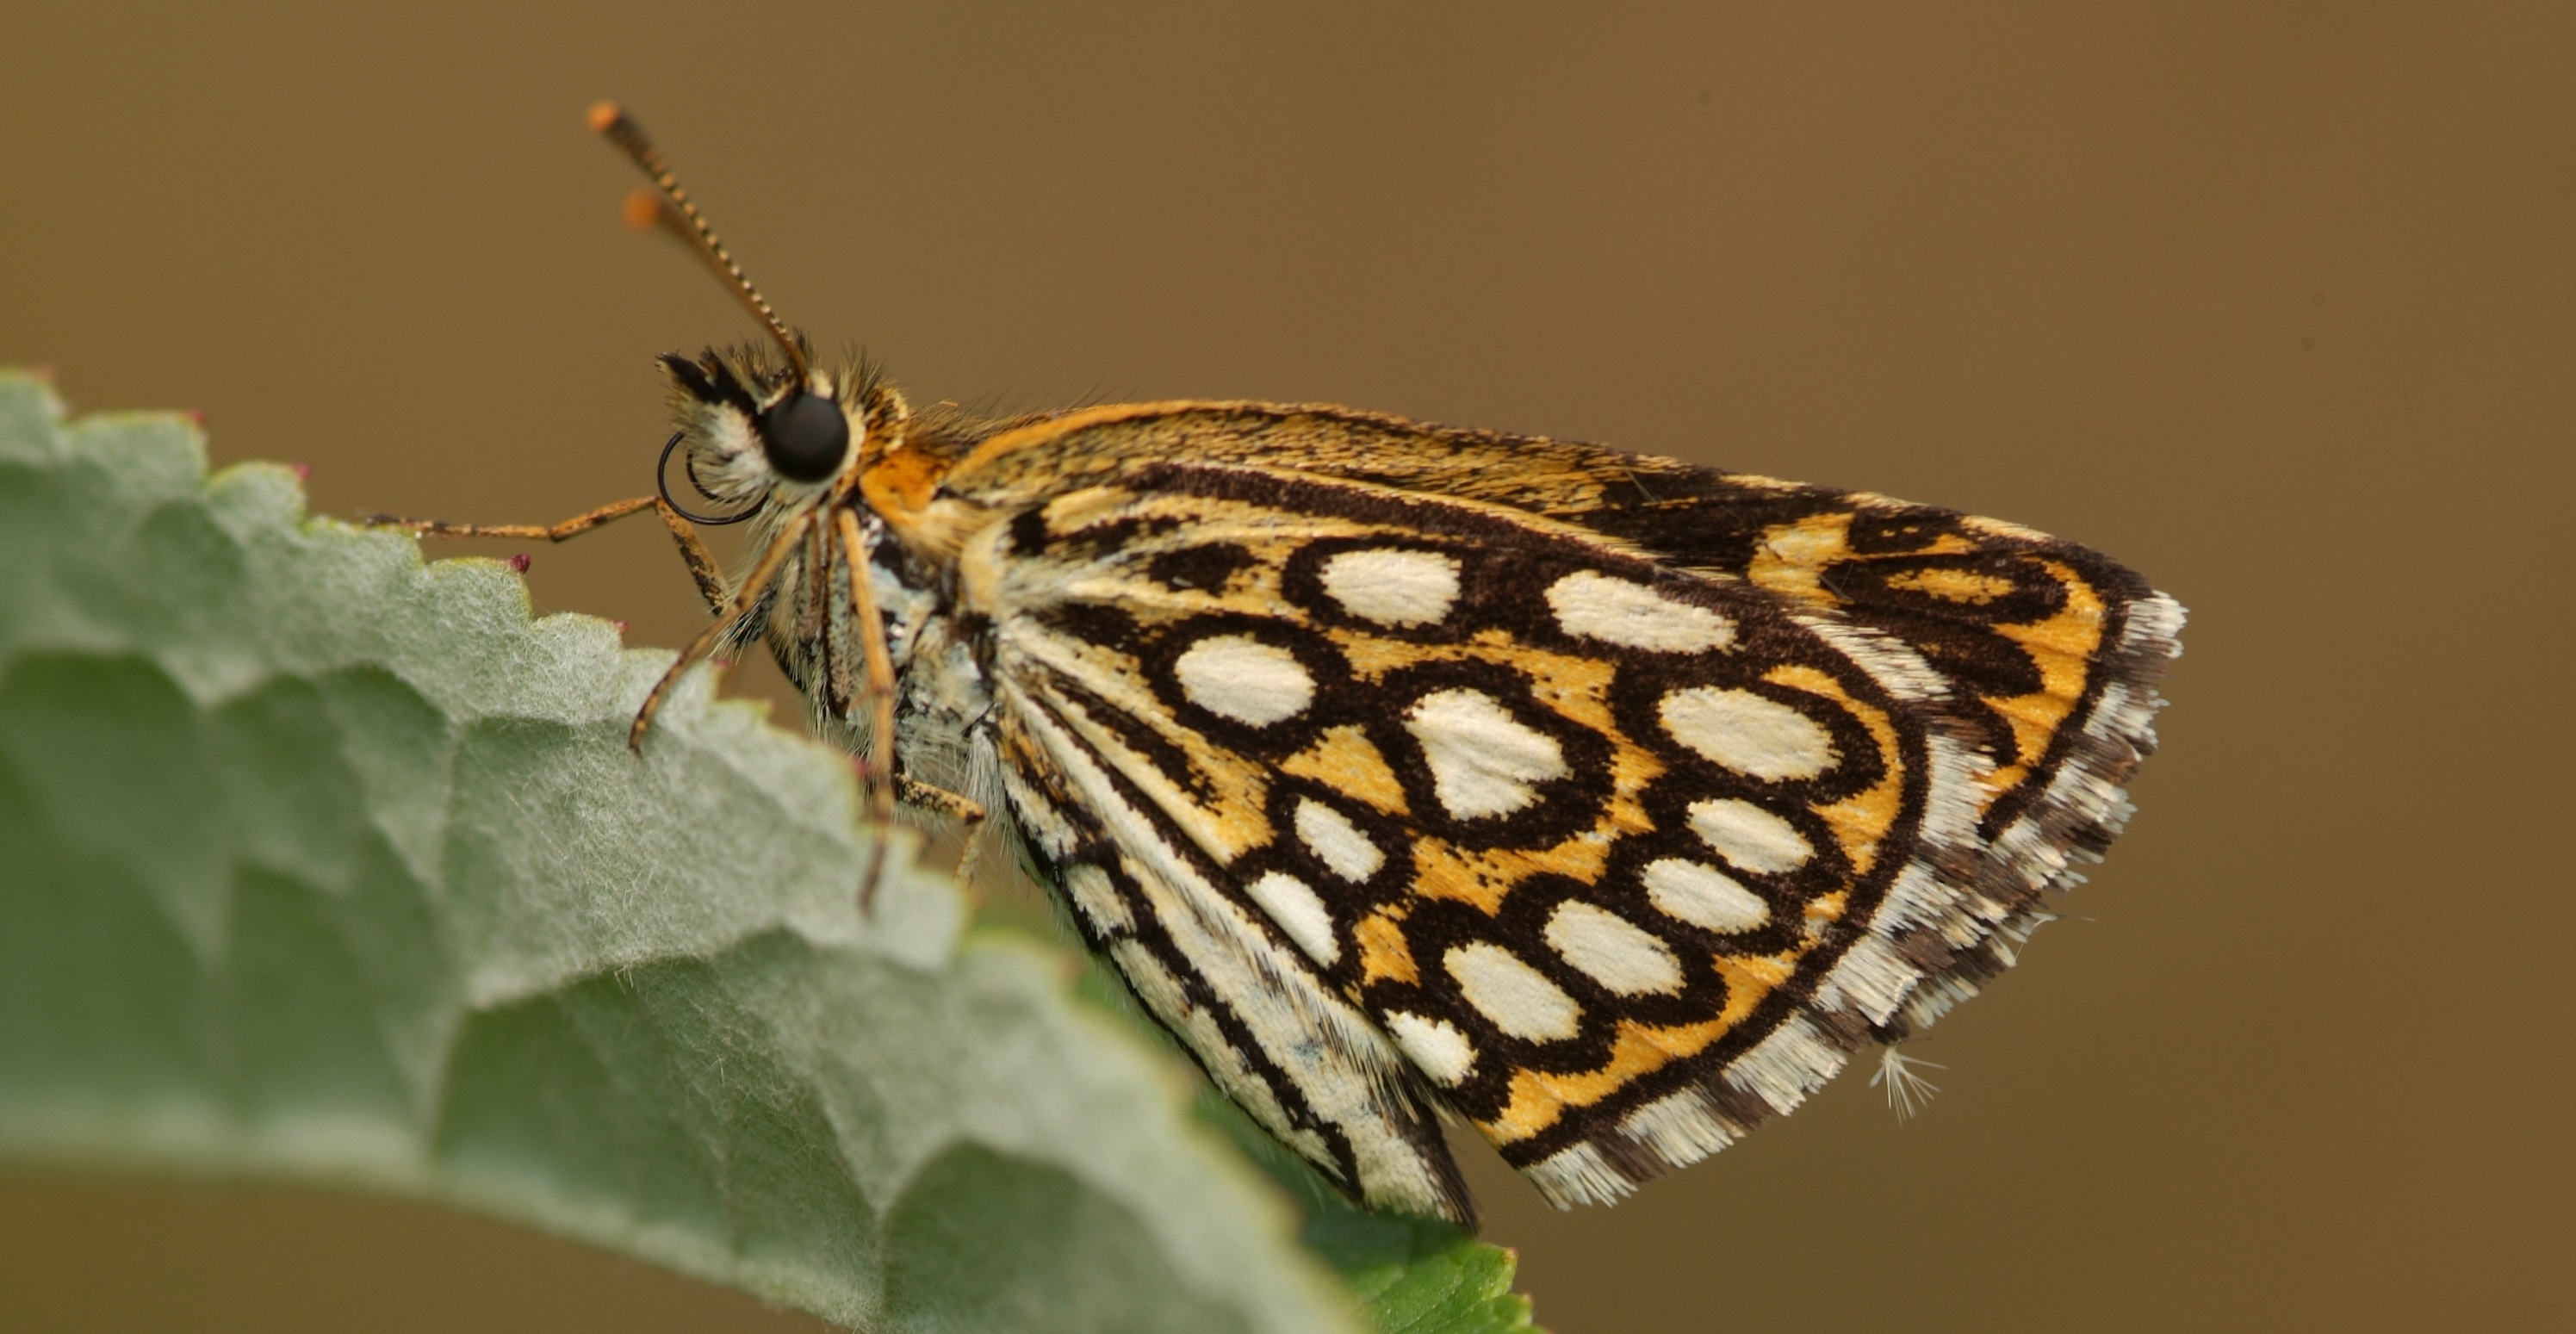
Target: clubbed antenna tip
(610, 121)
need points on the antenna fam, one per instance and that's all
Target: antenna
(621, 130)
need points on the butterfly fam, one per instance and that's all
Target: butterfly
(1605, 801)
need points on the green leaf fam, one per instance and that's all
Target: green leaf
(324, 865)
(1414, 1275)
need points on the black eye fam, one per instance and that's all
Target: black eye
(805, 437)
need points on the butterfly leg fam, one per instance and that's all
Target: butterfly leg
(880, 691)
(728, 617)
(561, 532)
(702, 566)
(953, 805)
(965, 810)
(729, 606)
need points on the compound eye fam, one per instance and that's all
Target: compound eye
(805, 436)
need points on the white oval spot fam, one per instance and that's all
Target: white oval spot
(1518, 998)
(1748, 733)
(1298, 912)
(1617, 611)
(1612, 950)
(1391, 587)
(1703, 896)
(1437, 1047)
(1483, 760)
(1749, 836)
(1336, 842)
(1238, 677)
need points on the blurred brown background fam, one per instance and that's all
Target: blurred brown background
(2276, 302)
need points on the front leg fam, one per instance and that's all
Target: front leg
(561, 532)
(702, 566)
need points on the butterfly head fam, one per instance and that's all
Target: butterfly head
(749, 426)
(752, 434)
(756, 430)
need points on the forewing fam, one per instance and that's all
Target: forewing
(1382, 797)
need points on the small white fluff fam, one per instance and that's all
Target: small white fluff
(1907, 1092)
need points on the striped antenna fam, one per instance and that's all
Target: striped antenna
(621, 130)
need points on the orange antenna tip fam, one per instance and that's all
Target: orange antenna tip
(684, 218)
(643, 208)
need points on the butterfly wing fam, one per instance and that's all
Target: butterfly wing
(2049, 651)
(1384, 798)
